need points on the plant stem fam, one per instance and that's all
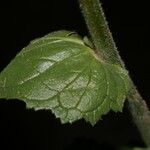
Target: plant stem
(105, 46)
(99, 31)
(140, 113)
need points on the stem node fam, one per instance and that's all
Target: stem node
(104, 44)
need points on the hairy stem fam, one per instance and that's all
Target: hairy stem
(105, 46)
(140, 113)
(99, 31)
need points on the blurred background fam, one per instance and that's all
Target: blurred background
(24, 20)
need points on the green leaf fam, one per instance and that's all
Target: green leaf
(60, 73)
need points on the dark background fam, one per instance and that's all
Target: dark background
(24, 20)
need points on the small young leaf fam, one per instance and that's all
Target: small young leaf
(60, 73)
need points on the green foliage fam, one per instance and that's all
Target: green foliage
(59, 72)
